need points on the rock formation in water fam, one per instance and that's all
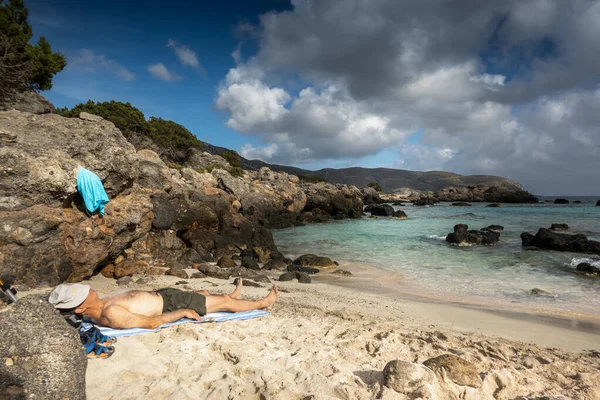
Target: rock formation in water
(158, 218)
(549, 240)
(462, 236)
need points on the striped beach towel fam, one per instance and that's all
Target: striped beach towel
(210, 317)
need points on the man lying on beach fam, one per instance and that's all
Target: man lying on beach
(144, 309)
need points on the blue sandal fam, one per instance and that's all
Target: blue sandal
(98, 351)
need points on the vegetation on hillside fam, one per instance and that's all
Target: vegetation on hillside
(375, 186)
(173, 139)
(23, 65)
(311, 179)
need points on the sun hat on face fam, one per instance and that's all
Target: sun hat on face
(69, 296)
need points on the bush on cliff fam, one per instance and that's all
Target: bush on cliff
(174, 140)
(232, 157)
(375, 186)
(23, 65)
(311, 179)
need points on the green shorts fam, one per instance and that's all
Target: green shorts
(175, 299)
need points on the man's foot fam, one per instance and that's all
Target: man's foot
(271, 297)
(238, 289)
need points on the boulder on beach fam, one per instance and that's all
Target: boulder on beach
(41, 354)
(300, 268)
(459, 370)
(311, 260)
(561, 201)
(406, 377)
(559, 227)
(462, 236)
(549, 240)
(382, 210)
(400, 215)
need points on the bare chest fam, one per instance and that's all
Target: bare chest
(137, 302)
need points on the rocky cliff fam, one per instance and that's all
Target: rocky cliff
(157, 216)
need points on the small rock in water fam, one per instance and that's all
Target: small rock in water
(559, 227)
(461, 204)
(300, 268)
(494, 228)
(561, 201)
(342, 272)
(539, 292)
(588, 268)
(400, 215)
(459, 370)
(494, 205)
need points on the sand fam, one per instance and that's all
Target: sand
(326, 341)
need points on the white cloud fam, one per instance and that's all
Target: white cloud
(87, 61)
(159, 71)
(186, 56)
(343, 80)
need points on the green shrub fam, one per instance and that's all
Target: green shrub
(311, 179)
(237, 171)
(23, 65)
(232, 157)
(173, 139)
(375, 186)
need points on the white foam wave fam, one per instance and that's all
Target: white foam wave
(592, 261)
(436, 237)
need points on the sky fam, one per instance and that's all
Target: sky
(508, 88)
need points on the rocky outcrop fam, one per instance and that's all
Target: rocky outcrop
(338, 201)
(371, 196)
(382, 210)
(29, 101)
(549, 240)
(156, 214)
(485, 193)
(462, 236)
(41, 353)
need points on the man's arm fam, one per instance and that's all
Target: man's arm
(119, 318)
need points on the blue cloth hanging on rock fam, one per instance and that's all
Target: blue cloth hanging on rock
(92, 191)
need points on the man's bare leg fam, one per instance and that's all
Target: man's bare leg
(238, 290)
(227, 303)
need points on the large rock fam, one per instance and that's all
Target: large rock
(371, 196)
(29, 101)
(382, 210)
(400, 215)
(342, 200)
(406, 377)
(41, 355)
(459, 370)
(462, 236)
(311, 260)
(549, 240)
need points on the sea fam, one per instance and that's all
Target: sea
(414, 255)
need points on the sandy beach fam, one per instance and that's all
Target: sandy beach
(324, 341)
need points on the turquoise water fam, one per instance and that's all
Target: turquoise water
(415, 249)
